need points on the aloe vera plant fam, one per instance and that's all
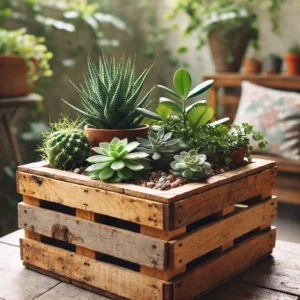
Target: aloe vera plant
(111, 94)
(117, 161)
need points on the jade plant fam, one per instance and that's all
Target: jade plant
(159, 144)
(65, 145)
(190, 165)
(116, 161)
(30, 48)
(111, 94)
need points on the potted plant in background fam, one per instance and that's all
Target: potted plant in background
(273, 64)
(252, 65)
(109, 98)
(292, 60)
(229, 27)
(23, 60)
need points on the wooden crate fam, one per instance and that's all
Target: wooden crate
(125, 241)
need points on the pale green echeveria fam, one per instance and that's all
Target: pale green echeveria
(190, 165)
(116, 161)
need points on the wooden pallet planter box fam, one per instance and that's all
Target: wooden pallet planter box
(127, 241)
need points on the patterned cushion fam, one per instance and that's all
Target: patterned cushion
(276, 114)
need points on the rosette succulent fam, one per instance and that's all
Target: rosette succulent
(117, 161)
(190, 165)
(158, 144)
(65, 145)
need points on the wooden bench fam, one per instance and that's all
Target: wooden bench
(288, 181)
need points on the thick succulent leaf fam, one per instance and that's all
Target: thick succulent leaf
(98, 159)
(200, 89)
(196, 169)
(178, 158)
(206, 166)
(124, 142)
(98, 166)
(163, 111)
(134, 166)
(125, 173)
(97, 150)
(149, 114)
(115, 179)
(122, 153)
(171, 104)
(187, 173)
(192, 152)
(113, 154)
(181, 165)
(169, 91)
(218, 122)
(136, 155)
(106, 173)
(200, 115)
(202, 158)
(118, 164)
(115, 141)
(156, 156)
(145, 162)
(143, 141)
(104, 145)
(94, 175)
(167, 136)
(173, 165)
(131, 146)
(198, 103)
(182, 82)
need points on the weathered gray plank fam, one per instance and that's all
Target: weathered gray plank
(124, 244)
(16, 282)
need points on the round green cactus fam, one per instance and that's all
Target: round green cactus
(190, 165)
(117, 161)
(65, 146)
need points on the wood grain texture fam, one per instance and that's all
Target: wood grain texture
(213, 273)
(102, 275)
(127, 245)
(30, 233)
(222, 232)
(96, 200)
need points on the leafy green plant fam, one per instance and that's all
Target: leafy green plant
(65, 145)
(159, 144)
(295, 49)
(111, 94)
(29, 47)
(190, 165)
(117, 161)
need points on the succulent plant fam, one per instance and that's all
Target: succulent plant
(190, 165)
(65, 145)
(111, 95)
(117, 161)
(158, 144)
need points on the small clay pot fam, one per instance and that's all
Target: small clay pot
(252, 66)
(13, 76)
(292, 61)
(238, 155)
(96, 136)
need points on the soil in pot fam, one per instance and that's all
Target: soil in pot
(225, 45)
(252, 66)
(96, 136)
(13, 76)
(238, 156)
(292, 61)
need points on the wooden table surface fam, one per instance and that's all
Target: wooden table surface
(277, 277)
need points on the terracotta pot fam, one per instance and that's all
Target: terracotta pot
(238, 156)
(233, 43)
(252, 66)
(96, 136)
(13, 76)
(293, 63)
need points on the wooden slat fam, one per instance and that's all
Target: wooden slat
(222, 232)
(117, 280)
(90, 199)
(213, 273)
(165, 235)
(199, 206)
(124, 244)
(31, 233)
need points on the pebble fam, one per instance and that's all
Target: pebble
(150, 184)
(222, 170)
(159, 185)
(162, 179)
(77, 171)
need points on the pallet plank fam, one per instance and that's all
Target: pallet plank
(124, 244)
(96, 200)
(29, 233)
(222, 232)
(102, 275)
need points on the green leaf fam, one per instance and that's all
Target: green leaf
(125, 173)
(131, 146)
(169, 91)
(134, 166)
(136, 155)
(182, 82)
(200, 115)
(98, 159)
(94, 175)
(171, 104)
(98, 166)
(118, 164)
(115, 179)
(149, 114)
(113, 154)
(163, 111)
(106, 173)
(200, 89)
(188, 174)
(198, 103)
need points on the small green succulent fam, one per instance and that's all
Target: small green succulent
(159, 144)
(117, 161)
(190, 165)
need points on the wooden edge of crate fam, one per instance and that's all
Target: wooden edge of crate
(216, 271)
(170, 196)
(198, 242)
(110, 240)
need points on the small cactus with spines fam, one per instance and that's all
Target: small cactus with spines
(65, 145)
(190, 165)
